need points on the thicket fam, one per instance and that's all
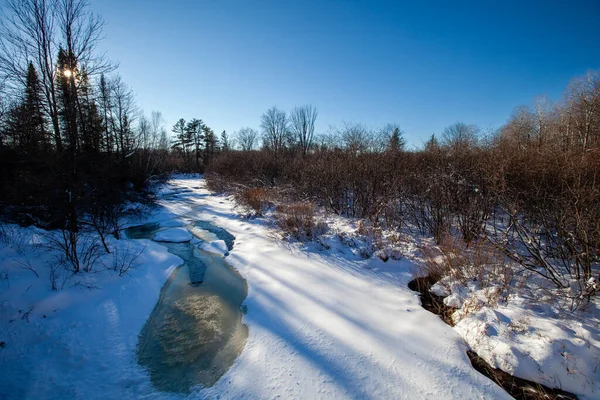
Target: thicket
(531, 188)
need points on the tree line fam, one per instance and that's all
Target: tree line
(530, 188)
(74, 146)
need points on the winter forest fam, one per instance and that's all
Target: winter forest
(168, 259)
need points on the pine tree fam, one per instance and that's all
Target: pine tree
(432, 144)
(183, 141)
(224, 142)
(194, 130)
(67, 100)
(35, 126)
(210, 145)
(26, 125)
(396, 142)
(90, 121)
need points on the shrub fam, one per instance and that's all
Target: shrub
(479, 262)
(298, 220)
(123, 258)
(254, 199)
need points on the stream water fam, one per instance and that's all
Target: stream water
(195, 331)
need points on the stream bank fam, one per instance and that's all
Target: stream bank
(520, 389)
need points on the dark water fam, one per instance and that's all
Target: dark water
(195, 332)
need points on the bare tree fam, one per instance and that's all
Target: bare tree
(543, 110)
(356, 137)
(583, 106)
(274, 124)
(81, 30)
(157, 126)
(302, 124)
(520, 127)
(246, 138)
(124, 113)
(144, 132)
(460, 136)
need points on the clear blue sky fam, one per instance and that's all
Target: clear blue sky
(422, 64)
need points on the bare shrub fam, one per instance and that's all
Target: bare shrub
(479, 262)
(11, 236)
(123, 259)
(55, 272)
(254, 199)
(298, 220)
(552, 209)
(374, 240)
(105, 219)
(216, 183)
(76, 250)
(26, 264)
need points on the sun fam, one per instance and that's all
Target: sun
(67, 73)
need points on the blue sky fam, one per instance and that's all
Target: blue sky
(421, 64)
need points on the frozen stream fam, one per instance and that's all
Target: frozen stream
(195, 331)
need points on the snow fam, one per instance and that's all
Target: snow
(529, 335)
(216, 246)
(322, 323)
(78, 342)
(173, 223)
(174, 235)
(330, 324)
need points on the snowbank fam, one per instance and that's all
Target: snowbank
(174, 235)
(217, 247)
(78, 342)
(528, 335)
(173, 223)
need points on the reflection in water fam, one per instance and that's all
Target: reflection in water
(195, 332)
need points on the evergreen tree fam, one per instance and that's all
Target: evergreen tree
(432, 144)
(67, 100)
(35, 132)
(396, 142)
(225, 145)
(90, 120)
(210, 145)
(26, 125)
(14, 126)
(195, 133)
(183, 141)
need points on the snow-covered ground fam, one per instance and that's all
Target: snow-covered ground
(175, 235)
(322, 323)
(530, 334)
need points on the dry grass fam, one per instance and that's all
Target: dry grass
(479, 261)
(298, 220)
(256, 200)
(217, 184)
